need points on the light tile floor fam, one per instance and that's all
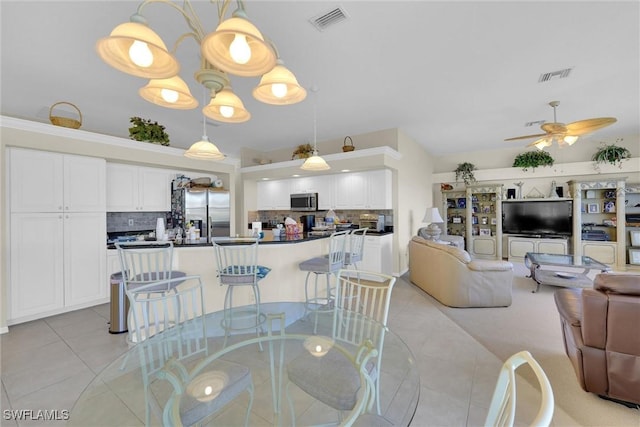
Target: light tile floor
(46, 364)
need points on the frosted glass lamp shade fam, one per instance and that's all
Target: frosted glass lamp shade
(216, 48)
(136, 49)
(431, 216)
(226, 107)
(315, 163)
(280, 75)
(170, 93)
(204, 150)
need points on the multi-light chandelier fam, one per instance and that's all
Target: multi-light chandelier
(236, 47)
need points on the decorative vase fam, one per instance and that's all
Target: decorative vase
(160, 229)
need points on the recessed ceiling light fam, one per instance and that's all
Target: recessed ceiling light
(295, 176)
(345, 170)
(265, 179)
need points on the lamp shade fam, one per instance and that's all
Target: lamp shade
(170, 93)
(226, 107)
(204, 150)
(431, 216)
(136, 49)
(279, 87)
(217, 48)
(315, 163)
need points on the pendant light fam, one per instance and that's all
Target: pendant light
(204, 149)
(170, 93)
(315, 162)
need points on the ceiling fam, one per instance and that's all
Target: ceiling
(455, 76)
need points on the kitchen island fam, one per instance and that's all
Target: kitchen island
(285, 282)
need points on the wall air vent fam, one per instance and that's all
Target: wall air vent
(553, 75)
(325, 20)
(536, 123)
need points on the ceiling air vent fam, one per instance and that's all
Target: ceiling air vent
(553, 75)
(536, 123)
(325, 20)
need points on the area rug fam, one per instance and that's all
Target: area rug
(532, 323)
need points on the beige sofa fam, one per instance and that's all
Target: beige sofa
(450, 275)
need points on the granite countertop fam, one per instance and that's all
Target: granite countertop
(267, 240)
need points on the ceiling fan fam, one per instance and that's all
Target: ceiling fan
(564, 134)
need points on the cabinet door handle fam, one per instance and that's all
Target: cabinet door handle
(66, 208)
(59, 208)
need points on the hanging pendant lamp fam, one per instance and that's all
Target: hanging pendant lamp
(315, 162)
(204, 149)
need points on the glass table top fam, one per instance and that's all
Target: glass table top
(565, 260)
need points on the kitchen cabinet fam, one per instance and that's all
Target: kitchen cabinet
(138, 188)
(376, 255)
(41, 181)
(274, 195)
(326, 194)
(57, 263)
(363, 190)
(57, 233)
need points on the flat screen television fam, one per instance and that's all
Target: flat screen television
(537, 217)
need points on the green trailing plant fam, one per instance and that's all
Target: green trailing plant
(465, 171)
(613, 154)
(532, 160)
(146, 130)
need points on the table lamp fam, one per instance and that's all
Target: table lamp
(432, 216)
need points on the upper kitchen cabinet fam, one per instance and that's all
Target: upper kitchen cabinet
(364, 190)
(274, 195)
(42, 181)
(138, 188)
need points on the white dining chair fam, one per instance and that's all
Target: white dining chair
(237, 266)
(327, 265)
(142, 263)
(355, 251)
(357, 301)
(502, 409)
(178, 322)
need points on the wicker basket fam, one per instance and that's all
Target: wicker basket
(346, 147)
(65, 121)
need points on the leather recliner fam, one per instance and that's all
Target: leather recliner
(600, 327)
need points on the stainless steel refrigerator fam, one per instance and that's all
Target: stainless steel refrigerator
(208, 209)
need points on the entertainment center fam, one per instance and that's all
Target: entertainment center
(598, 220)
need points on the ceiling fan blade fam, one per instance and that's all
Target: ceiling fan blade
(526, 137)
(554, 127)
(583, 127)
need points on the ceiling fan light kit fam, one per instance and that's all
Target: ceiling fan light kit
(236, 47)
(564, 135)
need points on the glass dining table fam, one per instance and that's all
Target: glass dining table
(125, 390)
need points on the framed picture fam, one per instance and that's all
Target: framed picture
(593, 208)
(456, 220)
(494, 221)
(485, 220)
(610, 206)
(462, 203)
(485, 232)
(635, 238)
(634, 256)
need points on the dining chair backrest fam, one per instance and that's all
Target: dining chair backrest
(356, 246)
(178, 316)
(167, 326)
(145, 262)
(337, 244)
(237, 261)
(502, 409)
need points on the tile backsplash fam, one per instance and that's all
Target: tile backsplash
(350, 215)
(118, 222)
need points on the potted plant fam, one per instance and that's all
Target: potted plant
(613, 154)
(302, 152)
(465, 171)
(532, 159)
(146, 130)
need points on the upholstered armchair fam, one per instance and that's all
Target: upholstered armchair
(601, 336)
(448, 274)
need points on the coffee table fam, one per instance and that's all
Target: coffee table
(540, 264)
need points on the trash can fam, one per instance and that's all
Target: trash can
(119, 305)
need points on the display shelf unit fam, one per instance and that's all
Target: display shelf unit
(598, 220)
(632, 225)
(475, 213)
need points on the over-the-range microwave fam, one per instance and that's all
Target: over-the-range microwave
(304, 202)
